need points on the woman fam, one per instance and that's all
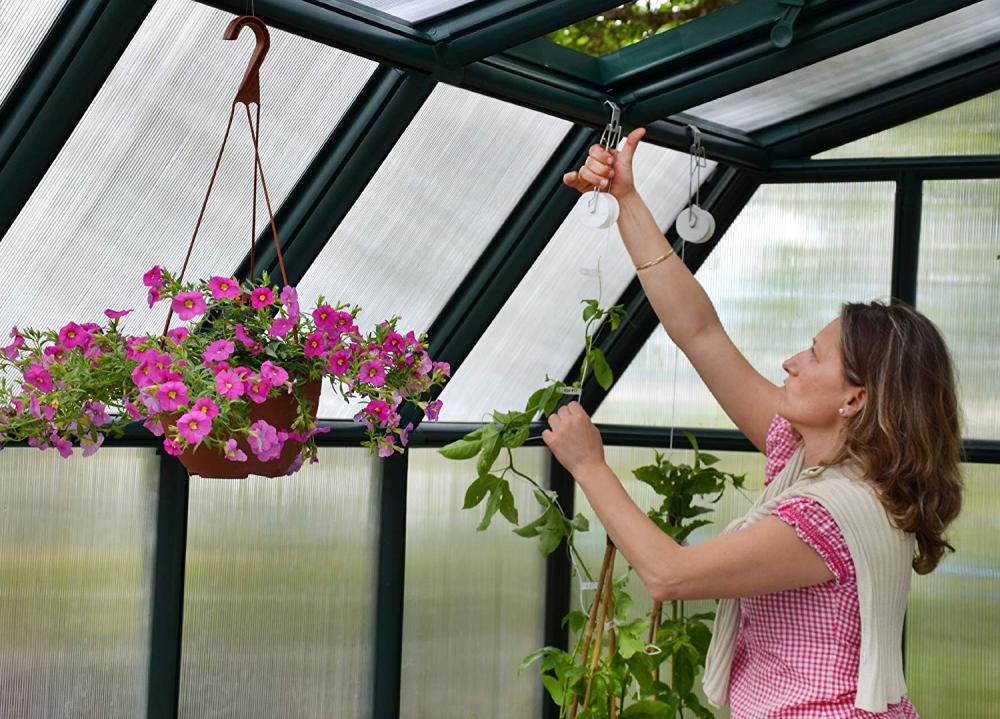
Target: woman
(862, 445)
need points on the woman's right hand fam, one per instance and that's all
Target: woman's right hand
(604, 166)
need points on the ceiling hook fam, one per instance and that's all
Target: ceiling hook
(250, 87)
(784, 30)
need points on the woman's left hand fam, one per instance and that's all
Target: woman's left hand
(574, 440)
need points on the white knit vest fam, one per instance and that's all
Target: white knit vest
(882, 557)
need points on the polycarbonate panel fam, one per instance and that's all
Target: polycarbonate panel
(415, 10)
(539, 330)
(474, 600)
(966, 129)
(279, 592)
(780, 274)
(851, 73)
(734, 503)
(953, 617)
(430, 210)
(126, 189)
(76, 549)
(22, 26)
(958, 287)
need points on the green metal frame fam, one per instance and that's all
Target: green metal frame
(877, 169)
(341, 170)
(60, 81)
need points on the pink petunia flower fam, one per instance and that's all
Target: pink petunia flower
(153, 277)
(64, 446)
(96, 413)
(324, 316)
(433, 410)
(207, 406)
(377, 409)
(37, 375)
(172, 395)
(386, 446)
(443, 367)
(372, 372)
(315, 345)
(290, 299)
(55, 353)
(89, 446)
(218, 351)
(394, 342)
(228, 384)
(11, 350)
(172, 447)
(223, 288)
(257, 388)
(178, 334)
(264, 441)
(281, 326)
(133, 410)
(275, 375)
(343, 322)
(154, 426)
(234, 453)
(188, 305)
(73, 335)
(152, 297)
(339, 362)
(193, 426)
(404, 434)
(115, 314)
(296, 464)
(246, 340)
(261, 297)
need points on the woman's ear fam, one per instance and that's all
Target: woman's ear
(855, 402)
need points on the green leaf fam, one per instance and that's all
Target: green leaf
(491, 508)
(516, 438)
(629, 645)
(555, 688)
(551, 533)
(683, 673)
(708, 459)
(602, 370)
(531, 529)
(507, 508)
(647, 709)
(580, 523)
(460, 449)
(576, 621)
(490, 452)
(591, 310)
(641, 667)
(478, 489)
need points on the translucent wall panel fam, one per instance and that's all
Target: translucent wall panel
(429, 212)
(23, 27)
(474, 600)
(958, 287)
(966, 129)
(76, 545)
(856, 71)
(540, 330)
(793, 256)
(415, 10)
(279, 596)
(124, 192)
(622, 461)
(953, 620)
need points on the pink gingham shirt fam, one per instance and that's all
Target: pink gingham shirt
(797, 651)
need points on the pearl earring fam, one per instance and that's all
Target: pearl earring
(840, 411)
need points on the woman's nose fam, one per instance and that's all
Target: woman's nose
(788, 365)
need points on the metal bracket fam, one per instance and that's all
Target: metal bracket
(784, 30)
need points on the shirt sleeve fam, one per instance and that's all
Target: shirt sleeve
(817, 528)
(779, 446)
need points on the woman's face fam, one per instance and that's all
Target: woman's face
(815, 387)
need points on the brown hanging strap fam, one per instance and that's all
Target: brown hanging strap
(249, 92)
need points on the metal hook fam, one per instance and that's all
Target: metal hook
(784, 30)
(250, 87)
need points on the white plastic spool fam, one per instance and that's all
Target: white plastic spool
(695, 225)
(598, 210)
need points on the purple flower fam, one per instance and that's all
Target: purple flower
(218, 351)
(144, 374)
(257, 388)
(90, 447)
(64, 446)
(55, 353)
(378, 409)
(154, 426)
(153, 296)
(193, 426)
(443, 367)
(245, 339)
(394, 342)
(37, 375)
(178, 334)
(172, 447)
(296, 464)
(386, 446)
(11, 350)
(96, 413)
(207, 406)
(433, 410)
(234, 453)
(172, 395)
(132, 410)
(324, 316)
(315, 345)
(372, 372)
(343, 322)
(113, 315)
(404, 434)
(73, 335)
(275, 375)
(261, 297)
(153, 277)
(281, 326)
(223, 288)
(264, 441)
(339, 362)
(188, 305)
(290, 298)
(228, 384)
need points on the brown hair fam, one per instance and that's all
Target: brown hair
(907, 436)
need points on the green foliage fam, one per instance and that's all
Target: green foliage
(631, 23)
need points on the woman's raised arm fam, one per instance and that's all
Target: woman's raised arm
(680, 302)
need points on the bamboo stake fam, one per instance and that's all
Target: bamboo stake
(612, 713)
(601, 619)
(654, 630)
(589, 630)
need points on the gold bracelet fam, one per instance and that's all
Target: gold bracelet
(653, 263)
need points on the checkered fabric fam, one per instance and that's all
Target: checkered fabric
(797, 651)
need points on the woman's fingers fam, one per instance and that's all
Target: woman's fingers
(574, 180)
(598, 153)
(598, 167)
(592, 178)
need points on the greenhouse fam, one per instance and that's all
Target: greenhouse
(317, 388)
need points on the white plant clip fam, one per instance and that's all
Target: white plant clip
(595, 208)
(695, 224)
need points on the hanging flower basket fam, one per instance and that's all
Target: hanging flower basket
(235, 391)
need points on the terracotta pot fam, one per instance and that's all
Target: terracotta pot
(279, 412)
